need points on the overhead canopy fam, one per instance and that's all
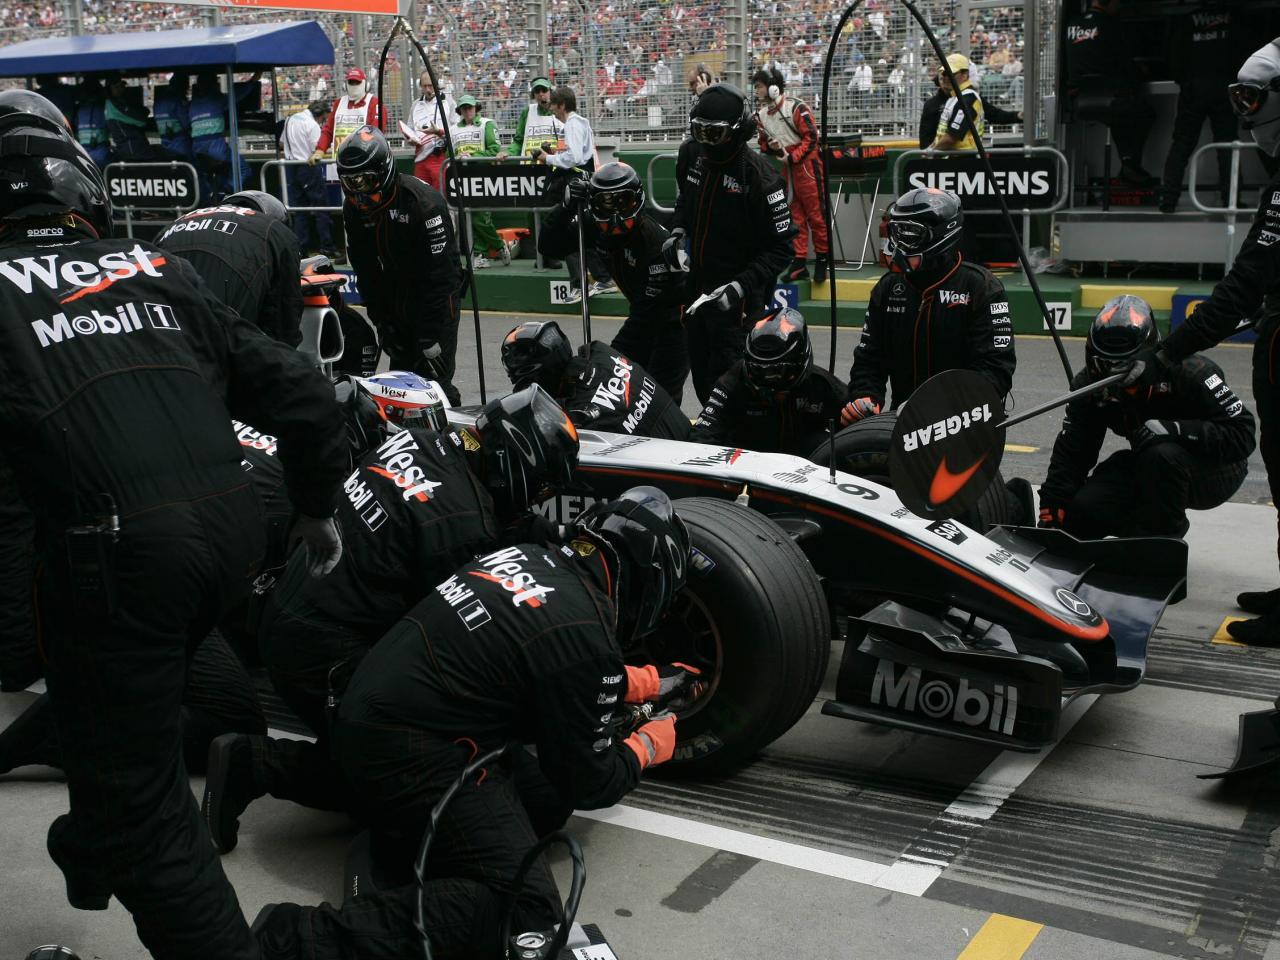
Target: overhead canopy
(249, 47)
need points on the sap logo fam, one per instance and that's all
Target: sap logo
(727, 456)
(1267, 237)
(435, 221)
(127, 318)
(1001, 342)
(996, 708)
(617, 389)
(1233, 409)
(394, 460)
(945, 428)
(51, 270)
(1212, 381)
(948, 531)
(776, 197)
(504, 569)
(437, 248)
(953, 298)
(783, 225)
(999, 308)
(731, 184)
(254, 439)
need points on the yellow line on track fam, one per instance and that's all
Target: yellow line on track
(1019, 448)
(1001, 938)
(1221, 636)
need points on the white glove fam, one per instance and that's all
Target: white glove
(322, 541)
(674, 252)
(724, 298)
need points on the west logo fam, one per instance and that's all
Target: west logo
(504, 569)
(52, 271)
(254, 439)
(996, 709)
(395, 462)
(953, 298)
(617, 389)
(127, 318)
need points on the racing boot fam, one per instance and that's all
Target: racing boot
(820, 269)
(86, 889)
(276, 930)
(1263, 631)
(1258, 601)
(797, 271)
(1022, 501)
(230, 786)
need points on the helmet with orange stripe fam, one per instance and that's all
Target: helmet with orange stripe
(406, 399)
(1123, 327)
(528, 444)
(777, 352)
(537, 351)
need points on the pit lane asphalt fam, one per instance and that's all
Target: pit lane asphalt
(844, 840)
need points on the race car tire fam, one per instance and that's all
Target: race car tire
(755, 591)
(862, 449)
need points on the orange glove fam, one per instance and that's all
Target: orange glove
(658, 683)
(655, 742)
(1052, 517)
(859, 409)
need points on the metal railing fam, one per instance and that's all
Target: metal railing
(284, 186)
(178, 208)
(1233, 195)
(648, 181)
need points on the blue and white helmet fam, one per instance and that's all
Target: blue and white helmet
(407, 400)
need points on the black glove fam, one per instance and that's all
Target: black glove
(674, 252)
(1150, 366)
(1154, 431)
(576, 193)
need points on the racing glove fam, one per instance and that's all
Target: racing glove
(674, 251)
(724, 298)
(322, 542)
(672, 684)
(859, 409)
(1150, 366)
(1052, 517)
(315, 158)
(576, 193)
(655, 742)
(1154, 431)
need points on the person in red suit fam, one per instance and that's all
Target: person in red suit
(357, 108)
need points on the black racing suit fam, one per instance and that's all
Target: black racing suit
(406, 261)
(792, 422)
(1252, 282)
(517, 646)
(911, 332)
(248, 260)
(738, 228)
(603, 389)
(117, 369)
(653, 334)
(1100, 63)
(1147, 491)
(412, 511)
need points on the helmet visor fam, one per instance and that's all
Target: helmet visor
(713, 133)
(777, 375)
(1247, 98)
(361, 182)
(909, 236)
(621, 203)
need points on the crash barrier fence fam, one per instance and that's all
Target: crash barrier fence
(149, 186)
(283, 192)
(1232, 209)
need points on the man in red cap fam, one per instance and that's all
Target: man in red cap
(350, 112)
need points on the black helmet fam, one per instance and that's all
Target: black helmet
(367, 170)
(1254, 97)
(777, 352)
(650, 544)
(537, 351)
(722, 121)
(528, 443)
(616, 199)
(261, 201)
(366, 425)
(1122, 327)
(28, 101)
(52, 952)
(924, 230)
(44, 172)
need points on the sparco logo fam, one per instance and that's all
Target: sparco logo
(127, 318)
(945, 428)
(504, 569)
(995, 708)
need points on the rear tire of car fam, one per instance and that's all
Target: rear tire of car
(862, 449)
(754, 597)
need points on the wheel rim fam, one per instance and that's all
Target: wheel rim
(688, 634)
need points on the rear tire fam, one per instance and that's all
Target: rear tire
(754, 617)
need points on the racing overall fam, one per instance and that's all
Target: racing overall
(248, 260)
(91, 128)
(406, 262)
(1253, 282)
(173, 121)
(412, 511)
(1147, 491)
(515, 646)
(479, 139)
(790, 123)
(208, 114)
(113, 413)
(738, 228)
(653, 334)
(431, 154)
(603, 389)
(795, 421)
(915, 328)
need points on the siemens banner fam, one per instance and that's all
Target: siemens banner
(152, 186)
(1027, 182)
(487, 186)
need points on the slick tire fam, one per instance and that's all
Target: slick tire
(754, 599)
(862, 449)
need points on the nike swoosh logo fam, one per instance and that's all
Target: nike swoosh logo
(947, 484)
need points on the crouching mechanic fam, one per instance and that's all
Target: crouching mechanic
(400, 241)
(1190, 438)
(525, 644)
(630, 241)
(601, 387)
(417, 505)
(774, 399)
(932, 311)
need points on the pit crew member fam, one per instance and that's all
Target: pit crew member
(416, 506)
(731, 231)
(600, 387)
(932, 311)
(146, 534)
(526, 644)
(401, 243)
(1190, 438)
(630, 241)
(775, 399)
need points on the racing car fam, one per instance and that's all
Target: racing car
(979, 637)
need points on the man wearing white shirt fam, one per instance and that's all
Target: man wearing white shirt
(306, 182)
(427, 131)
(577, 154)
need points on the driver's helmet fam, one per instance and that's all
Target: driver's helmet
(407, 400)
(777, 352)
(262, 202)
(1123, 327)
